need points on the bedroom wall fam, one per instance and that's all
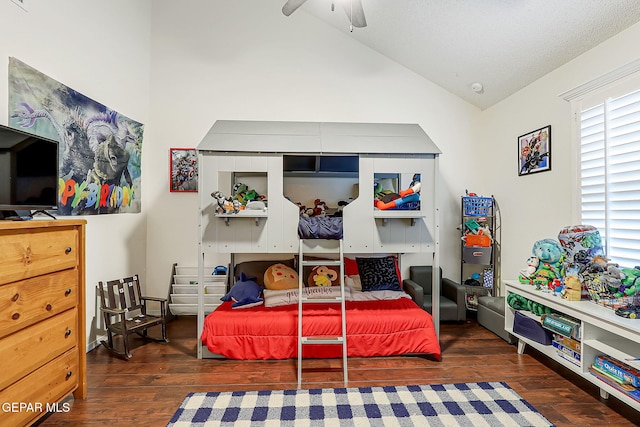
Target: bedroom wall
(100, 49)
(537, 206)
(244, 60)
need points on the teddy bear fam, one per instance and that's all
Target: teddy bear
(572, 290)
(319, 207)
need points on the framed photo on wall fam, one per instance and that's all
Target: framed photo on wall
(534, 151)
(183, 170)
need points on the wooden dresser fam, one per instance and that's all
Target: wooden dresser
(42, 318)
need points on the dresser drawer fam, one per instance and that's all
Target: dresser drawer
(30, 348)
(29, 301)
(47, 385)
(40, 251)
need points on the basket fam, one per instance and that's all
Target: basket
(477, 206)
(477, 240)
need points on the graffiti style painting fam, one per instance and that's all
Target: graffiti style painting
(100, 149)
(534, 151)
(183, 169)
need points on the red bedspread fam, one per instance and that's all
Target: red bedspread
(374, 328)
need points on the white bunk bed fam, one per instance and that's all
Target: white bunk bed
(255, 151)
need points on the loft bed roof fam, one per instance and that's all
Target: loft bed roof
(317, 138)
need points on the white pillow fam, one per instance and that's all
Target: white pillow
(377, 295)
(274, 298)
(353, 282)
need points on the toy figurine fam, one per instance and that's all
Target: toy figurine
(220, 201)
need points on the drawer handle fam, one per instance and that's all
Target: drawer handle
(68, 250)
(67, 333)
(15, 316)
(69, 375)
(48, 307)
(15, 298)
(67, 292)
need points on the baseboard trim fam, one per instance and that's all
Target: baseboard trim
(93, 344)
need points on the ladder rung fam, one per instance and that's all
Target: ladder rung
(317, 300)
(320, 262)
(321, 340)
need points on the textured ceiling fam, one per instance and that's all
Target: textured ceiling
(503, 44)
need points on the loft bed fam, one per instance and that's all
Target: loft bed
(276, 157)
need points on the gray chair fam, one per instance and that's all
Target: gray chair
(452, 294)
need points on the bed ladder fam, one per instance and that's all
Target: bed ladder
(314, 247)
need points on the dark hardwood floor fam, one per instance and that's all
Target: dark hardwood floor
(147, 390)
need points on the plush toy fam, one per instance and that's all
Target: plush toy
(279, 277)
(245, 293)
(532, 266)
(612, 278)
(548, 250)
(243, 194)
(550, 256)
(256, 205)
(341, 205)
(323, 276)
(319, 207)
(572, 290)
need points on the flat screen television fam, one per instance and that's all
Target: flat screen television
(28, 172)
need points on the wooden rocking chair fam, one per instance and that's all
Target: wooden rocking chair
(124, 310)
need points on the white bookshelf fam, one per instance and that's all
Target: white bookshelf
(603, 333)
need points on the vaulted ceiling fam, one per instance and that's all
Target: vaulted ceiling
(502, 44)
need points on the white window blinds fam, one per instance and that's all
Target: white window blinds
(610, 174)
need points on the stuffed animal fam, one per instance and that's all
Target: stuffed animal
(279, 277)
(323, 276)
(551, 256)
(245, 293)
(532, 266)
(572, 290)
(319, 207)
(548, 250)
(612, 278)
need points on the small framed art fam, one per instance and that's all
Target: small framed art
(534, 151)
(183, 169)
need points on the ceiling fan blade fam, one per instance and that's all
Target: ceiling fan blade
(291, 5)
(357, 19)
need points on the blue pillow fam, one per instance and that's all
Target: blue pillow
(378, 274)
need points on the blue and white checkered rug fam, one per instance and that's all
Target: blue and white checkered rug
(487, 404)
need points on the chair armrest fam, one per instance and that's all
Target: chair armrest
(154, 299)
(455, 292)
(113, 310)
(416, 291)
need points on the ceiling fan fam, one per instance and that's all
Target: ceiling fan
(353, 9)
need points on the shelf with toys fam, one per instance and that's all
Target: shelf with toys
(393, 201)
(547, 309)
(479, 247)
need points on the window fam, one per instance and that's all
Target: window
(610, 171)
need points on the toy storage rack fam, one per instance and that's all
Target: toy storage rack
(479, 258)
